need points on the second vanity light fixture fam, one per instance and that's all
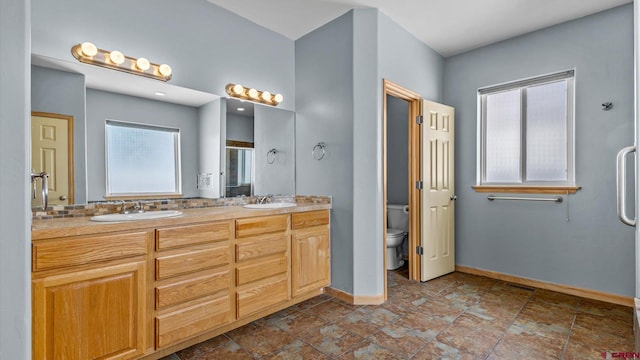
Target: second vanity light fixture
(88, 53)
(245, 93)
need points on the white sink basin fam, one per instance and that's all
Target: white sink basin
(136, 216)
(269, 206)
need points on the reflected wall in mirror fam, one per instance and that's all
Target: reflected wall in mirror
(271, 134)
(201, 118)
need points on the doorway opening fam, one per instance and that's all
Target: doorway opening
(401, 168)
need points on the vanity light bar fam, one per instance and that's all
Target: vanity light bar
(88, 53)
(245, 93)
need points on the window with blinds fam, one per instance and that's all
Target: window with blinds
(142, 159)
(526, 132)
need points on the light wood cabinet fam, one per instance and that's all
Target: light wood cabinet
(193, 280)
(262, 263)
(90, 311)
(310, 252)
(148, 292)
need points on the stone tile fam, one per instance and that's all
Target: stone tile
(312, 302)
(402, 339)
(263, 340)
(546, 329)
(600, 308)
(329, 311)
(297, 351)
(300, 323)
(547, 313)
(471, 335)
(275, 317)
(378, 315)
(527, 346)
(578, 351)
(332, 340)
(461, 295)
(171, 357)
(599, 340)
(499, 314)
(556, 298)
(201, 348)
(367, 350)
(359, 323)
(438, 350)
(610, 325)
(228, 351)
(441, 310)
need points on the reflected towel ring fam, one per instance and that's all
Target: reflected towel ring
(271, 156)
(319, 146)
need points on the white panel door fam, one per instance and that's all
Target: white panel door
(437, 198)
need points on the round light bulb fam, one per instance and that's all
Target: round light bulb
(88, 49)
(143, 64)
(266, 96)
(253, 93)
(164, 70)
(277, 98)
(116, 57)
(238, 89)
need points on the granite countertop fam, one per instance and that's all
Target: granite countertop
(44, 229)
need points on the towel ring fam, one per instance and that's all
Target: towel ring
(319, 146)
(271, 156)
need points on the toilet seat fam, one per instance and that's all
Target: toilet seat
(395, 233)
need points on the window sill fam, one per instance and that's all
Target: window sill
(525, 189)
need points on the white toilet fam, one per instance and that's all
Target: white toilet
(397, 229)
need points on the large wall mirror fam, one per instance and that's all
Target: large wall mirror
(63, 88)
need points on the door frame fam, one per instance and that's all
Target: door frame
(69, 119)
(414, 100)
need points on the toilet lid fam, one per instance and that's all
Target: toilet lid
(394, 232)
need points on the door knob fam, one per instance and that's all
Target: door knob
(62, 197)
(453, 197)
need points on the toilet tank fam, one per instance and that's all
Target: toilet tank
(398, 217)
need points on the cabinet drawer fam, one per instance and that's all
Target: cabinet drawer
(83, 250)
(260, 297)
(195, 234)
(261, 225)
(310, 218)
(190, 321)
(201, 285)
(194, 260)
(260, 270)
(262, 246)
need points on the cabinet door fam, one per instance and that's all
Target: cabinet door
(310, 259)
(92, 314)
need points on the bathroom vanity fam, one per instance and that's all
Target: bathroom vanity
(145, 289)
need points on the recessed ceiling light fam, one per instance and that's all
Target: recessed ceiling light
(240, 109)
(160, 93)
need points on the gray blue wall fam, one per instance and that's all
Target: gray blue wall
(534, 240)
(339, 72)
(15, 159)
(206, 45)
(102, 105)
(324, 113)
(61, 92)
(274, 129)
(397, 151)
(239, 127)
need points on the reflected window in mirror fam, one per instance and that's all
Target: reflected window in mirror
(142, 160)
(240, 169)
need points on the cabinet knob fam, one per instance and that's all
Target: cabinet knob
(63, 197)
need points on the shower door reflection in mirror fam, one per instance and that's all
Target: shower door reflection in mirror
(240, 171)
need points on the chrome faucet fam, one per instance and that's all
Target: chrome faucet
(262, 199)
(45, 187)
(136, 208)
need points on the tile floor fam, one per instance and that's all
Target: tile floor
(457, 316)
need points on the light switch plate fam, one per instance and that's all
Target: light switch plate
(205, 181)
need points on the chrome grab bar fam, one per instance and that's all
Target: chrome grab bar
(557, 199)
(45, 187)
(621, 193)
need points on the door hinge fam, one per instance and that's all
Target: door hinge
(419, 184)
(419, 119)
(419, 250)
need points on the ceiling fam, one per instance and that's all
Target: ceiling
(448, 26)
